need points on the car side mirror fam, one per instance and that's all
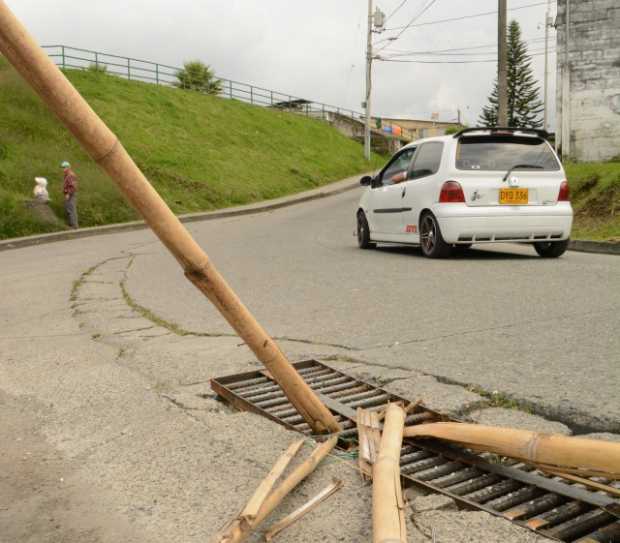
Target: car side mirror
(366, 181)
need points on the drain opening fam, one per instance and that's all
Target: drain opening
(553, 507)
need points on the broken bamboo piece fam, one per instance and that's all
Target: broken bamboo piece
(579, 456)
(388, 506)
(304, 509)
(369, 439)
(596, 485)
(253, 506)
(103, 146)
(249, 512)
(239, 529)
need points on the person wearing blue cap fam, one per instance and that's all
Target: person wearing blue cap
(70, 186)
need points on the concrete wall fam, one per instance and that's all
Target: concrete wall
(594, 70)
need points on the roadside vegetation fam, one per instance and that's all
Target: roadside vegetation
(200, 152)
(595, 193)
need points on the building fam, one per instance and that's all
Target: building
(588, 79)
(414, 129)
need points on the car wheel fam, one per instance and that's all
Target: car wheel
(363, 232)
(431, 240)
(551, 249)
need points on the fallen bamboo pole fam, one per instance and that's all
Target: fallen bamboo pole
(388, 506)
(579, 456)
(103, 146)
(236, 532)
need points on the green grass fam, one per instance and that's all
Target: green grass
(595, 194)
(200, 152)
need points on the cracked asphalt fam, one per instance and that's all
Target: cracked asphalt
(110, 430)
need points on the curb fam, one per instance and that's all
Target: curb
(600, 247)
(268, 205)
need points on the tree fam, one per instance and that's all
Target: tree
(196, 75)
(524, 104)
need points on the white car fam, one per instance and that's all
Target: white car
(478, 186)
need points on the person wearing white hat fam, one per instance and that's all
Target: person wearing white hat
(40, 190)
(70, 187)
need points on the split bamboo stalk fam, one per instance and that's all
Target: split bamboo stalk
(304, 509)
(244, 519)
(579, 456)
(106, 150)
(253, 506)
(586, 482)
(369, 438)
(236, 532)
(388, 506)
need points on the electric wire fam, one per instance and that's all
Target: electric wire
(411, 61)
(413, 20)
(451, 19)
(395, 11)
(401, 52)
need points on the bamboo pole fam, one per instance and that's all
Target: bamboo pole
(579, 456)
(236, 532)
(388, 506)
(106, 150)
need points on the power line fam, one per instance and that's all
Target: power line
(452, 19)
(440, 54)
(410, 61)
(396, 10)
(413, 20)
(439, 51)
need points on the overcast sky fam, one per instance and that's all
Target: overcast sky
(315, 50)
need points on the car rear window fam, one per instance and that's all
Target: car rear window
(503, 153)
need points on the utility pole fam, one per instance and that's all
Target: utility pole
(546, 99)
(502, 66)
(566, 88)
(368, 83)
(376, 19)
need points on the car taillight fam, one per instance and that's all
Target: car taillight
(451, 193)
(564, 195)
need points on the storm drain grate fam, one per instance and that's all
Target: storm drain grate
(551, 506)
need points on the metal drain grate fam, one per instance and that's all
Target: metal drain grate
(553, 507)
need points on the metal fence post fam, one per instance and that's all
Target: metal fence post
(157, 73)
(63, 57)
(230, 89)
(251, 95)
(271, 94)
(129, 69)
(96, 60)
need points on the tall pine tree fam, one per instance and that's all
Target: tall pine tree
(524, 104)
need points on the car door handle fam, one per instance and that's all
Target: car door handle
(402, 194)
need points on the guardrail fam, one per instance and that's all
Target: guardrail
(134, 69)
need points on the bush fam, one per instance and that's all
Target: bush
(98, 68)
(196, 75)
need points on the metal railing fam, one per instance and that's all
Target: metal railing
(133, 69)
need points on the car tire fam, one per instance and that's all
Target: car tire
(551, 249)
(363, 232)
(431, 240)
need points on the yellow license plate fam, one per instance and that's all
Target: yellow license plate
(513, 196)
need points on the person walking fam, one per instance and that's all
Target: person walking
(70, 187)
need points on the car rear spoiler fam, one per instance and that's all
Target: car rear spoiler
(499, 130)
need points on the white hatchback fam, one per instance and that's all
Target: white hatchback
(478, 186)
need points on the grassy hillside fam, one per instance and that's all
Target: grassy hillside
(595, 193)
(200, 152)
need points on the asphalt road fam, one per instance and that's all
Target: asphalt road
(542, 331)
(109, 428)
